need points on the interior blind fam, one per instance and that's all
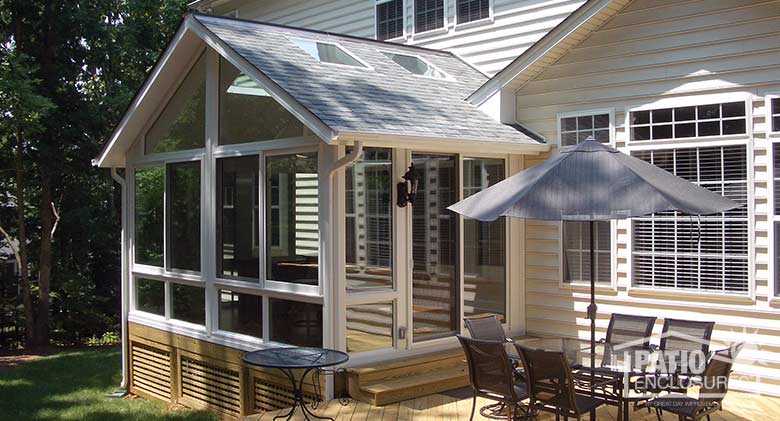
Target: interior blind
(390, 20)
(428, 15)
(470, 10)
(672, 250)
(776, 187)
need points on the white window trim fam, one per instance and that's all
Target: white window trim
(585, 285)
(436, 31)
(583, 113)
(768, 117)
(404, 34)
(478, 22)
(774, 292)
(690, 101)
(750, 296)
(363, 64)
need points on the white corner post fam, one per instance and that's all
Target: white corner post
(125, 299)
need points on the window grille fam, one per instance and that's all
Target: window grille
(707, 253)
(576, 241)
(576, 129)
(428, 15)
(776, 187)
(686, 122)
(471, 10)
(390, 20)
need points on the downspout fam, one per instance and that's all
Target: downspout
(353, 156)
(124, 286)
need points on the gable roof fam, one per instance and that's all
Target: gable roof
(337, 102)
(551, 47)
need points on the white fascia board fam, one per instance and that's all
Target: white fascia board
(108, 157)
(317, 126)
(537, 51)
(435, 144)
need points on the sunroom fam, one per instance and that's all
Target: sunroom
(286, 187)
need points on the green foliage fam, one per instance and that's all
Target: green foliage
(72, 386)
(106, 339)
(68, 70)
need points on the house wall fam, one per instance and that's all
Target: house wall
(651, 52)
(487, 44)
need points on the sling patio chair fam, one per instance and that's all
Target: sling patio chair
(491, 376)
(552, 386)
(625, 333)
(486, 328)
(680, 337)
(714, 386)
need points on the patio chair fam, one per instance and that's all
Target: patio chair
(491, 375)
(551, 385)
(625, 329)
(714, 387)
(486, 328)
(686, 335)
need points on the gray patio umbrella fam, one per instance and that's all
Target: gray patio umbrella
(590, 182)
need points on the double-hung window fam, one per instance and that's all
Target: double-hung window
(706, 253)
(472, 10)
(575, 128)
(774, 113)
(389, 17)
(428, 15)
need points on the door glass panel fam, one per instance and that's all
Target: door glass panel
(435, 292)
(369, 221)
(238, 247)
(369, 327)
(292, 234)
(484, 255)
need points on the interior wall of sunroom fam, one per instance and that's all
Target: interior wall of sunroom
(239, 235)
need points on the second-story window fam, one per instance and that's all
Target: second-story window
(471, 10)
(575, 129)
(774, 112)
(693, 121)
(428, 15)
(389, 19)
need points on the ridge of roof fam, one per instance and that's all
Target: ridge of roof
(542, 47)
(295, 29)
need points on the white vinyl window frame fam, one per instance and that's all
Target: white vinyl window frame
(585, 113)
(443, 29)
(476, 22)
(771, 130)
(404, 33)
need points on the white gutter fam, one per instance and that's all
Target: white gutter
(353, 156)
(124, 287)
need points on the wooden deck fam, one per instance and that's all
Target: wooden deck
(456, 405)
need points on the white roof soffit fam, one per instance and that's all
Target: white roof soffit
(186, 43)
(550, 47)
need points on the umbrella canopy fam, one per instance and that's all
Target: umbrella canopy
(590, 182)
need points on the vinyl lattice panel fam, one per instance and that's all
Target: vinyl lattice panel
(215, 387)
(151, 370)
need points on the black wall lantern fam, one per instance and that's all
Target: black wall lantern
(407, 189)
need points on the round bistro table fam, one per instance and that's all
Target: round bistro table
(296, 358)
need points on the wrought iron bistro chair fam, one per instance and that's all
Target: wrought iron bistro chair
(486, 328)
(625, 330)
(491, 375)
(714, 386)
(551, 385)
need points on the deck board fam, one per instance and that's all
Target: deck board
(448, 407)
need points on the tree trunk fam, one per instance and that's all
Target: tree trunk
(24, 269)
(44, 262)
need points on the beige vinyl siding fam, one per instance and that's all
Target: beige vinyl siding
(653, 51)
(487, 44)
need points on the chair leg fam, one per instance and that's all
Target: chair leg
(473, 406)
(657, 413)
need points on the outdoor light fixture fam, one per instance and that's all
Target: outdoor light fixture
(407, 189)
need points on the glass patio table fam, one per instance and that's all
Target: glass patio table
(609, 378)
(296, 358)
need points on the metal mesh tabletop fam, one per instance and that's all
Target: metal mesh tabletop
(292, 358)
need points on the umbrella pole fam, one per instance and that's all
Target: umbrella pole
(592, 311)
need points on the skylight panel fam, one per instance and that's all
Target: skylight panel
(328, 53)
(416, 65)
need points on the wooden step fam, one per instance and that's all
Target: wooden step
(408, 378)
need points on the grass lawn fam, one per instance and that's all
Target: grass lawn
(71, 386)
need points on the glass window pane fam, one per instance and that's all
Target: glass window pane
(369, 327)
(662, 116)
(708, 111)
(734, 109)
(296, 323)
(416, 65)
(149, 193)
(247, 113)
(640, 133)
(484, 245)
(576, 241)
(189, 304)
(684, 113)
(184, 215)
(585, 122)
(428, 15)
(709, 128)
(291, 218)
(640, 117)
(569, 124)
(569, 139)
(776, 124)
(150, 296)
(602, 136)
(369, 220)
(181, 124)
(734, 126)
(601, 121)
(238, 248)
(241, 313)
(662, 132)
(327, 53)
(435, 292)
(685, 130)
(390, 19)
(775, 105)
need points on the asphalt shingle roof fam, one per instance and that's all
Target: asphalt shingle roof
(382, 99)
